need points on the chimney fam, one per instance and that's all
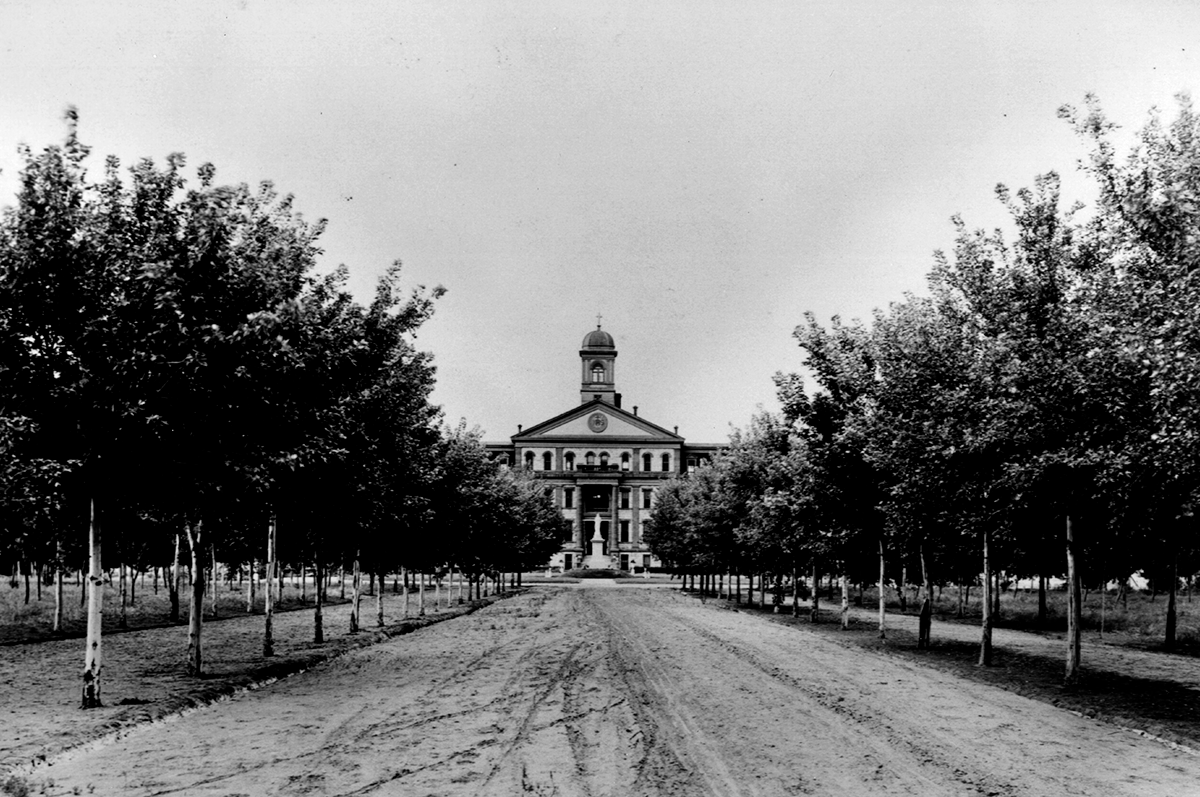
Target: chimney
(617, 400)
(519, 428)
(635, 409)
(676, 430)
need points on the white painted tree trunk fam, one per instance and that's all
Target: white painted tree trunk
(355, 595)
(985, 643)
(174, 586)
(1074, 608)
(404, 578)
(269, 592)
(379, 604)
(421, 596)
(845, 602)
(882, 596)
(59, 572)
(195, 662)
(93, 658)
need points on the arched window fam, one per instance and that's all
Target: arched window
(597, 372)
(547, 461)
(590, 458)
(604, 460)
(625, 461)
(666, 462)
(646, 462)
(528, 460)
(570, 460)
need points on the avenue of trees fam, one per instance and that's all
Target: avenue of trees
(178, 382)
(1037, 414)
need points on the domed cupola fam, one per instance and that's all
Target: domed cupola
(598, 339)
(598, 355)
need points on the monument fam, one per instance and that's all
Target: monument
(597, 560)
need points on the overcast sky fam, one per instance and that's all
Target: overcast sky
(699, 173)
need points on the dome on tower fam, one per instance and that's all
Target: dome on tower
(598, 339)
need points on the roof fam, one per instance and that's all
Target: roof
(598, 339)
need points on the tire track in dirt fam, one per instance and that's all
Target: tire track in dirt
(873, 728)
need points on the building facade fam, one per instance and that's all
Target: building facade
(602, 465)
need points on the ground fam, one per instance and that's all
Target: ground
(625, 689)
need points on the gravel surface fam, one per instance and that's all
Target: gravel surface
(606, 689)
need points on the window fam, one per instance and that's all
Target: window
(625, 497)
(666, 462)
(646, 498)
(597, 372)
(570, 460)
(590, 458)
(547, 461)
(646, 465)
(604, 460)
(691, 464)
(624, 531)
(625, 461)
(528, 460)
(568, 498)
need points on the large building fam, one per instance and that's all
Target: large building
(602, 465)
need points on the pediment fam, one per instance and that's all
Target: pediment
(597, 420)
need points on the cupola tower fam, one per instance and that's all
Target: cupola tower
(598, 356)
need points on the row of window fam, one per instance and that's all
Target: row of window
(590, 461)
(623, 497)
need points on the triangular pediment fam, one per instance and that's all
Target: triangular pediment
(597, 420)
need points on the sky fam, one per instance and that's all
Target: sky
(699, 174)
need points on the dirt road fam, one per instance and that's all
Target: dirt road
(614, 690)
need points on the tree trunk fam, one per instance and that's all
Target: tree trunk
(173, 587)
(303, 583)
(404, 572)
(900, 592)
(845, 601)
(124, 589)
(1074, 608)
(58, 588)
(250, 588)
(1042, 610)
(814, 598)
(212, 550)
(379, 604)
(795, 591)
(985, 643)
(319, 600)
(93, 659)
(882, 594)
(195, 660)
(1169, 641)
(355, 594)
(996, 599)
(269, 592)
(421, 594)
(925, 623)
